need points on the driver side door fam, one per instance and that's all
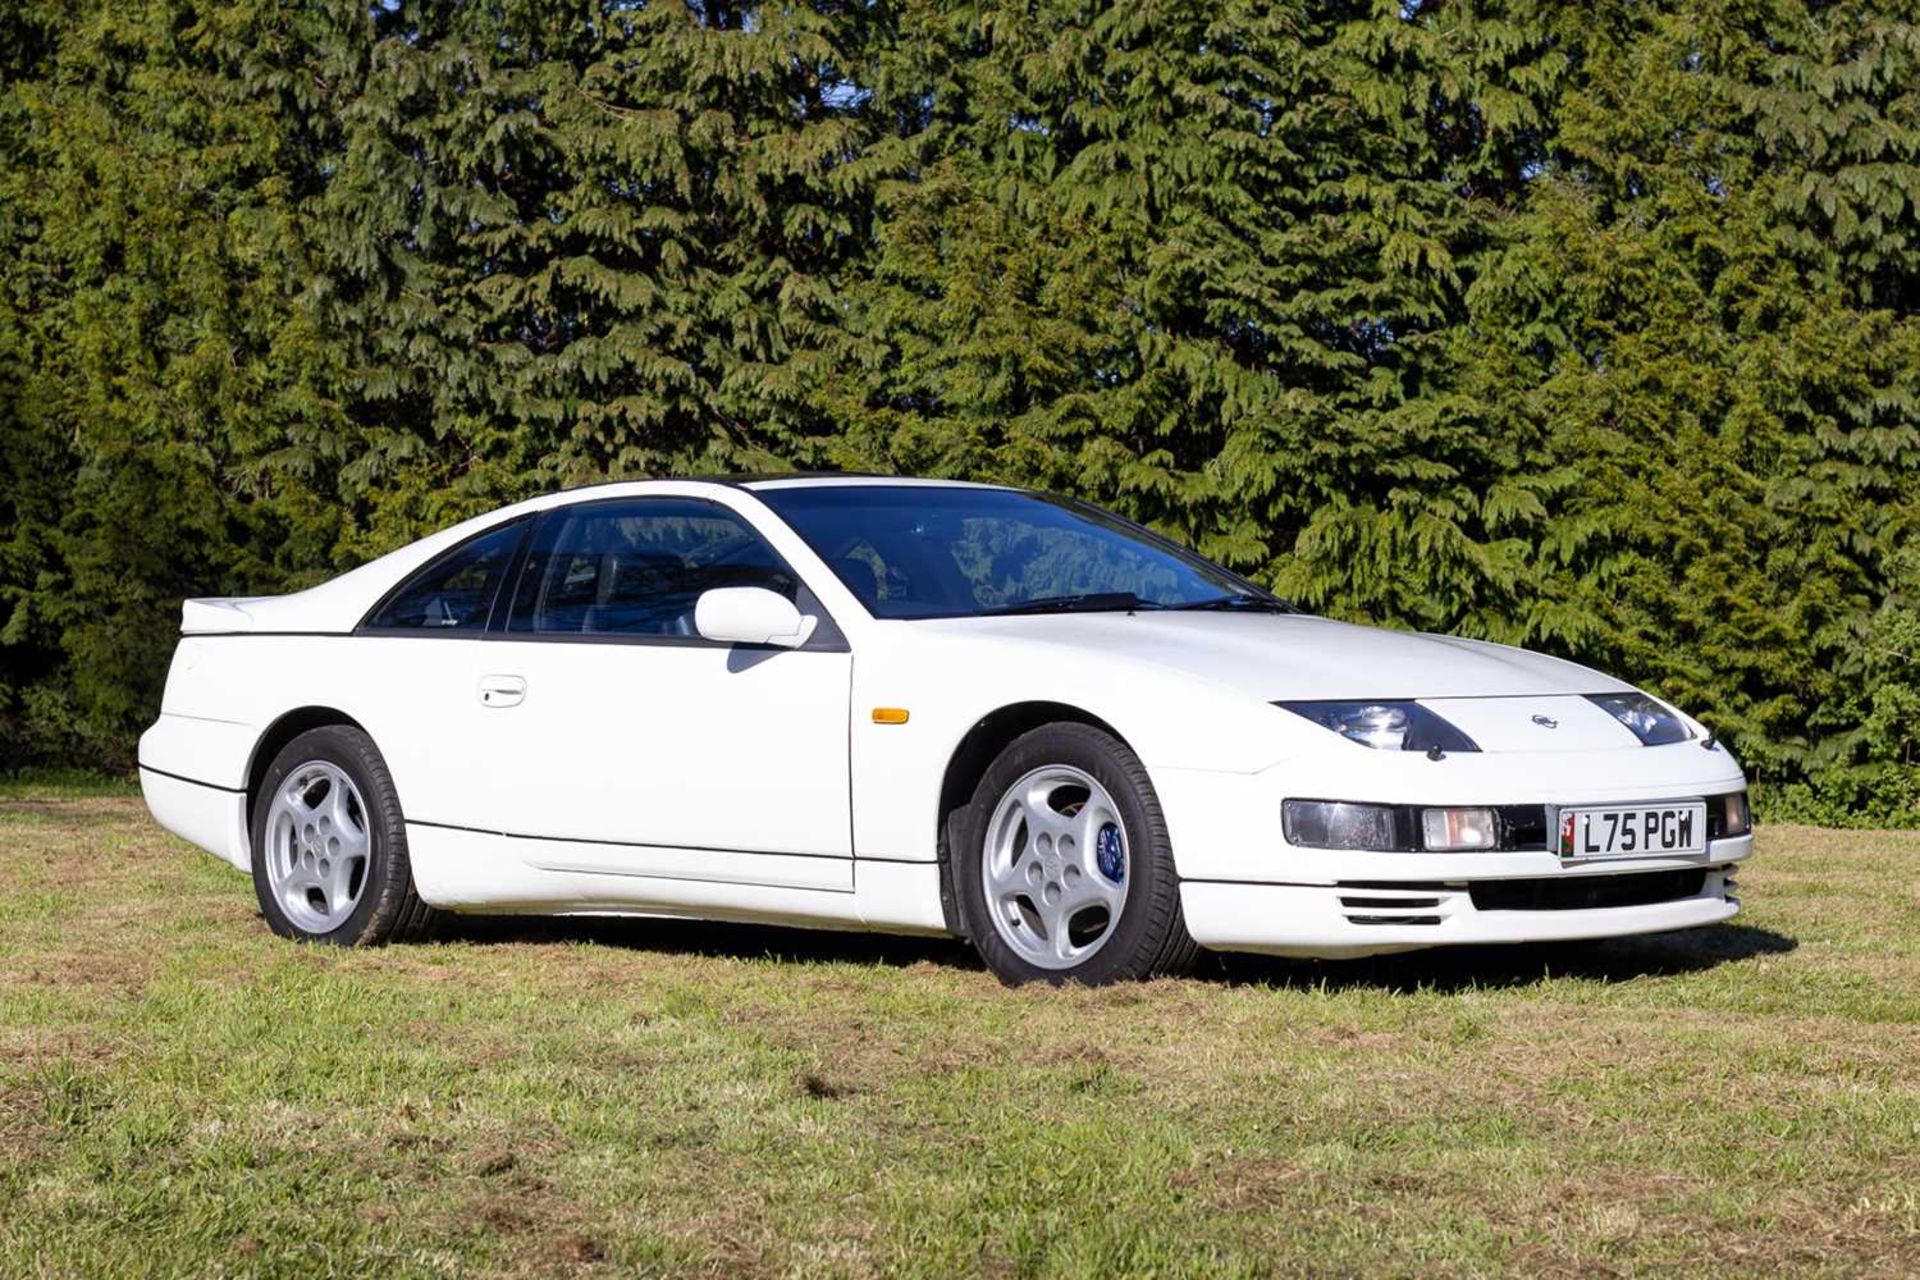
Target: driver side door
(617, 741)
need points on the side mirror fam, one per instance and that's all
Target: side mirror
(751, 615)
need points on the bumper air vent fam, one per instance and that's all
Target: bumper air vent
(1400, 904)
(1587, 893)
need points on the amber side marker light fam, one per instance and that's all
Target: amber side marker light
(889, 715)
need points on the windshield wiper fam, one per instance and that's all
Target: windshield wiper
(1091, 602)
(1241, 600)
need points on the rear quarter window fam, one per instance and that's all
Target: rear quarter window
(453, 592)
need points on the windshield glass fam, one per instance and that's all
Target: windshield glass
(927, 551)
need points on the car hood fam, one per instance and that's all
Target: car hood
(1292, 656)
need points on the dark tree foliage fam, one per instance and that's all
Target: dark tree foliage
(1594, 328)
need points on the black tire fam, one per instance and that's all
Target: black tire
(389, 908)
(1150, 938)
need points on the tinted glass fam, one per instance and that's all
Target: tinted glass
(454, 592)
(636, 567)
(931, 552)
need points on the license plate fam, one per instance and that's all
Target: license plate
(1633, 830)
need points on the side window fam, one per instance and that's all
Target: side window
(454, 592)
(637, 566)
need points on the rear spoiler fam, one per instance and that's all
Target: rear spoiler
(216, 614)
(332, 608)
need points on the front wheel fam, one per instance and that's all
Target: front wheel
(1062, 866)
(330, 846)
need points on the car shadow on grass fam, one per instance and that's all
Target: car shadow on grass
(716, 939)
(1437, 969)
(1445, 969)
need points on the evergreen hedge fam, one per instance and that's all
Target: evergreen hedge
(1594, 328)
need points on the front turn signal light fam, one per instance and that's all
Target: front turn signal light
(1453, 830)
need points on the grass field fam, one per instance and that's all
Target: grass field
(180, 1093)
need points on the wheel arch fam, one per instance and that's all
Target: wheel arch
(989, 736)
(278, 734)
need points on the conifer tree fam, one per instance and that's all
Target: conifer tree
(1593, 328)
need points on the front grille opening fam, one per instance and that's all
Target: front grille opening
(1406, 904)
(1393, 919)
(1586, 893)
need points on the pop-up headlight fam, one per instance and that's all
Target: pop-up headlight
(1386, 726)
(1653, 722)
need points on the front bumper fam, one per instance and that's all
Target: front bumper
(1373, 918)
(1245, 888)
(1226, 826)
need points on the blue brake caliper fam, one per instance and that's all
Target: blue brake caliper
(1109, 854)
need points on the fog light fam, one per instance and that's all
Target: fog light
(1335, 824)
(1453, 829)
(1736, 819)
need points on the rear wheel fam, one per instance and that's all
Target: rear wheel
(1062, 866)
(330, 847)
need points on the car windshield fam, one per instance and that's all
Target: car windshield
(932, 551)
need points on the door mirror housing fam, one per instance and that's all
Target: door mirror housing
(751, 615)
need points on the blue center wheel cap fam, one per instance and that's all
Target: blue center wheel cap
(1110, 854)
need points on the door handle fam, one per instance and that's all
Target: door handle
(502, 691)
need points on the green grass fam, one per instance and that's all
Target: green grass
(183, 1094)
(65, 784)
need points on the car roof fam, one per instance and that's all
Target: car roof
(829, 480)
(783, 480)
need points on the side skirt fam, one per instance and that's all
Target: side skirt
(480, 872)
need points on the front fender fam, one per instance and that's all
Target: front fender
(1173, 722)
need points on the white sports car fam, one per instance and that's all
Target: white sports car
(922, 707)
